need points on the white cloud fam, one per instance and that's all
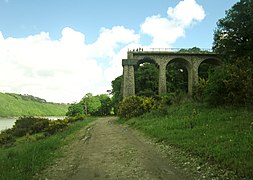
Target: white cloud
(163, 31)
(186, 13)
(65, 70)
(111, 39)
(166, 30)
(60, 70)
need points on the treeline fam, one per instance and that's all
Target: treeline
(99, 105)
(27, 97)
(233, 41)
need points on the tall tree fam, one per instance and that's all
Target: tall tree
(90, 103)
(106, 105)
(116, 92)
(75, 109)
(233, 40)
(233, 37)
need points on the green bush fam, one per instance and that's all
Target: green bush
(216, 90)
(134, 106)
(6, 137)
(56, 126)
(79, 117)
(75, 109)
(239, 83)
(198, 92)
(168, 99)
(231, 84)
(29, 125)
(23, 126)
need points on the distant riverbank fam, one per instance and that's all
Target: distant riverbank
(15, 105)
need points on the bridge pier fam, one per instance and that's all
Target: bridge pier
(192, 79)
(128, 81)
(162, 89)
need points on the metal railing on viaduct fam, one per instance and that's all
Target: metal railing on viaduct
(199, 50)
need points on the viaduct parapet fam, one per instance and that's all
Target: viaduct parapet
(191, 61)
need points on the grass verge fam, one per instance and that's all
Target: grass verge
(223, 136)
(24, 160)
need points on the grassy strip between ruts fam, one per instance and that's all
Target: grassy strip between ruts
(24, 160)
(219, 135)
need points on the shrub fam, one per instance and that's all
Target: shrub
(79, 117)
(56, 126)
(74, 110)
(6, 137)
(29, 125)
(26, 126)
(168, 99)
(231, 84)
(216, 90)
(198, 92)
(134, 106)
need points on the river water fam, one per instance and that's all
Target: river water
(6, 123)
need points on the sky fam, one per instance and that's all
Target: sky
(60, 50)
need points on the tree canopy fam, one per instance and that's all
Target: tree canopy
(233, 36)
(116, 92)
(100, 105)
(90, 103)
(233, 41)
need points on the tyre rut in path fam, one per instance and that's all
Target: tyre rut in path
(107, 150)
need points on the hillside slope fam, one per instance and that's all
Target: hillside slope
(12, 105)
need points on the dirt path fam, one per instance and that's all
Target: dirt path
(107, 150)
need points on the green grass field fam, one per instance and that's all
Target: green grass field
(26, 158)
(13, 105)
(220, 135)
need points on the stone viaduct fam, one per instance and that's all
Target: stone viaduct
(191, 61)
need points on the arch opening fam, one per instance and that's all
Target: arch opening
(206, 67)
(146, 78)
(177, 75)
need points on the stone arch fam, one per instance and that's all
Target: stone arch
(208, 62)
(180, 60)
(186, 64)
(146, 60)
(144, 81)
